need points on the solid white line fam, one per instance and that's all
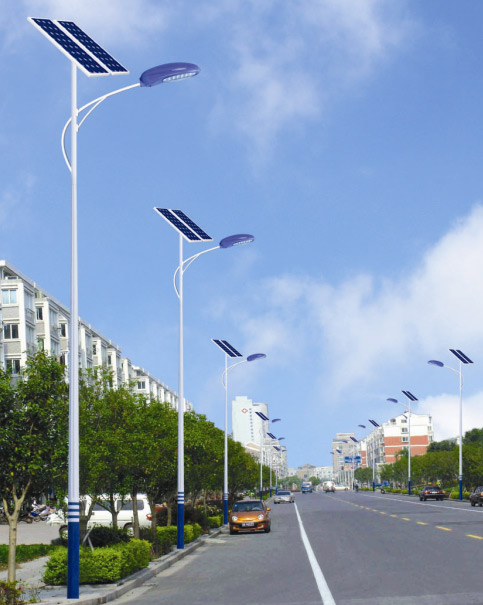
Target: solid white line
(326, 595)
(456, 508)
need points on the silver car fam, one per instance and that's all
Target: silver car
(283, 496)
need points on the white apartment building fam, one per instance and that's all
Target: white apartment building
(31, 318)
(384, 442)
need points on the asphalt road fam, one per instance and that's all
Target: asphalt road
(367, 549)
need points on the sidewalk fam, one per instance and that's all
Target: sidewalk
(29, 574)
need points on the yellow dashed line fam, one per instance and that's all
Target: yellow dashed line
(421, 523)
(443, 528)
(375, 510)
(395, 516)
(475, 537)
(405, 518)
(382, 512)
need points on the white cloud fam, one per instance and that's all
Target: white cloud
(445, 412)
(354, 332)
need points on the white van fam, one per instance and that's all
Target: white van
(101, 515)
(329, 486)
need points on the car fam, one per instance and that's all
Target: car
(283, 496)
(476, 496)
(249, 515)
(340, 488)
(431, 491)
(101, 515)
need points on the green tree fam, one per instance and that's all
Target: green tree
(473, 436)
(363, 475)
(315, 480)
(33, 437)
(447, 445)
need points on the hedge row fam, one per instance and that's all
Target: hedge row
(100, 566)
(25, 552)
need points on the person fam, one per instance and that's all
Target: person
(383, 491)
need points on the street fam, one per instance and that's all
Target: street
(367, 549)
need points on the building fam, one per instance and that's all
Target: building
(342, 452)
(382, 445)
(32, 319)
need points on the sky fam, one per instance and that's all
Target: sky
(344, 135)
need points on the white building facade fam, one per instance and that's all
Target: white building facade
(31, 319)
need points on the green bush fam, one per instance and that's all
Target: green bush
(10, 594)
(455, 495)
(216, 521)
(102, 565)
(167, 537)
(107, 536)
(25, 552)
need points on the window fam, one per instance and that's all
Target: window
(405, 439)
(29, 300)
(52, 317)
(63, 330)
(404, 421)
(10, 331)
(141, 385)
(404, 429)
(94, 349)
(13, 365)
(109, 360)
(40, 313)
(30, 335)
(9, 297)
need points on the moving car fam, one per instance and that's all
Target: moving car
(476, 496)
(283, 496)
(249, 515)
(329, 486)
(431, 491)
(306, 487)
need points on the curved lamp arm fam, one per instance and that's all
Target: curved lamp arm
(187, 263)
(440, 364)
(95, 103)
(253, 357)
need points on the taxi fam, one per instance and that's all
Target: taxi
(249, 515)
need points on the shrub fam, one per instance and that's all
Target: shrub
(10, 594)
(107, 536)
(26, 552)
(216, 521)
(102, 565)
(167, 537)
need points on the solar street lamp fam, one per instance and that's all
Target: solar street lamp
(463, 359)
(230, 351)
(262, 416)
(354, 441)
(411, 397)
(85, 54)
(191, 232)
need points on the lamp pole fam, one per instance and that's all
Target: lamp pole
(373, 451)
(463, 359)
(73, 42)
(189, 230)
(410, 397)
(230, 351)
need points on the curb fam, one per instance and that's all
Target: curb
(136, 579)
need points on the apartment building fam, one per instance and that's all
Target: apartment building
(383, 443)
(32, 319)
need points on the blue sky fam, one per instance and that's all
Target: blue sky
(346, 136)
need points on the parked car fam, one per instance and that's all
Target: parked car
(476, 496)
(431, 491)
(249, 515)
(102, 516)
(283, 496)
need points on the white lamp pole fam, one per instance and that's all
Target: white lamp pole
(463, 359)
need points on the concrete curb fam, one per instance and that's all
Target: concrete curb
(136, 579)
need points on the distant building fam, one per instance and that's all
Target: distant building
(247, 427)
(31, 319)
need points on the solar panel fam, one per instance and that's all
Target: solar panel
(227, 348)
(69, 47)
(409, 395)
(461, 356)
(193, 226)
(87, 42)
(354, 440)
(262, 415)
(271, 435)
(373, 422)
(174, 221)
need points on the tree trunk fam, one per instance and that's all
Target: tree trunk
(12, 528)
(170, 513)
(135, 517)
(152, 506)
(114, 512)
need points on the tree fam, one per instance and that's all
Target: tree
(473, 436)
(447, 445)
(363, 475)
(33, 437)
(315, 480)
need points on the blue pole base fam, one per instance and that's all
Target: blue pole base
(270, 492)
(409, 487)
(461, 489)
(180, 531)
(261, 495)
(225, 510)
(73, 560)
(373, 486)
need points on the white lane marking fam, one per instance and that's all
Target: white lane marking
(456, 508)
(326, 595)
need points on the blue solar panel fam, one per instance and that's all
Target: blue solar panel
(68, 46)
(227, 348)
(192, 225)
(178, 225)
(461, 356)
(92, 46)
(232, 349)
(409, 395)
